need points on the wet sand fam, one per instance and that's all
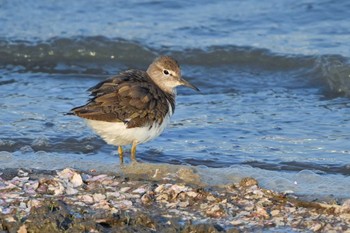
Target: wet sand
(154, 198)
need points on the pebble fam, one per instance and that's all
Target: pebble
(125, 189)
(275, 213)
(88, 199)
(248, 182)
(98, 197)
(76, 180)
(140, 190)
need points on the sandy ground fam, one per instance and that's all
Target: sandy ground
(154, 198)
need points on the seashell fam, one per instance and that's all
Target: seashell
(66, 173)
(125, 204)
(76, 180)
(33, 203)
(162, 197)
(192, 194)
(183, 204)
(248, 182)
(237, 222)
(274, 213)
(97, 178)
(31, 186)
(146, 199)
(86, 199)
(211, 198)
(217, 211)
(125, 189)
(98, 197)
(160, 188)
(113, 194)
(71, 191)
(262, 213)
(140, 190)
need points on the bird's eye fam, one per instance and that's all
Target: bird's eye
(166, 72)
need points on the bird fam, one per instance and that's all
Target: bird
(134, 106)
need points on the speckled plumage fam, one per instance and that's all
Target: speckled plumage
(134, 106)
(130, 97)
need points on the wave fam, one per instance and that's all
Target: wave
(330, 71)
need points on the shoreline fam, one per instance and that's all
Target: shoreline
(154, 198)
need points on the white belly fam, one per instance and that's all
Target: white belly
(116, 133)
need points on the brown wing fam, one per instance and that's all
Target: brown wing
(130, 97)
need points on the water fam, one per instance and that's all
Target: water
(274, 79)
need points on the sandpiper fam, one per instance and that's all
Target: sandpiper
(134, 106)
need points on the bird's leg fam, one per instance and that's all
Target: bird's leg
(120, 152)
(133, 151)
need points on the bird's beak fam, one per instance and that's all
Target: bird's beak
(187, 84)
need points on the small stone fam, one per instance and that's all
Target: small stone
(76, 180)
(345, 207)
(216, 211)
(126, 204)
(275, 213)
(163, 197)
(248, 182)
(10, 219)
(140, 190)
(66, 173)
(316, 227)
(31, 186)
(86, 199)
(203, 206)
(22, 229)
(125, 189)
(97, 178)
(159, 189)
(113, 194)
(262, 213)
(22, 173)
(211, 198)
(183, 204)
(178, 189)
(98, 197)
(146, 199)
(33, 203)
(237, 222)
(103, 204)
(71, 191)
(192, 194)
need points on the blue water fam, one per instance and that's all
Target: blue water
(274, 79)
